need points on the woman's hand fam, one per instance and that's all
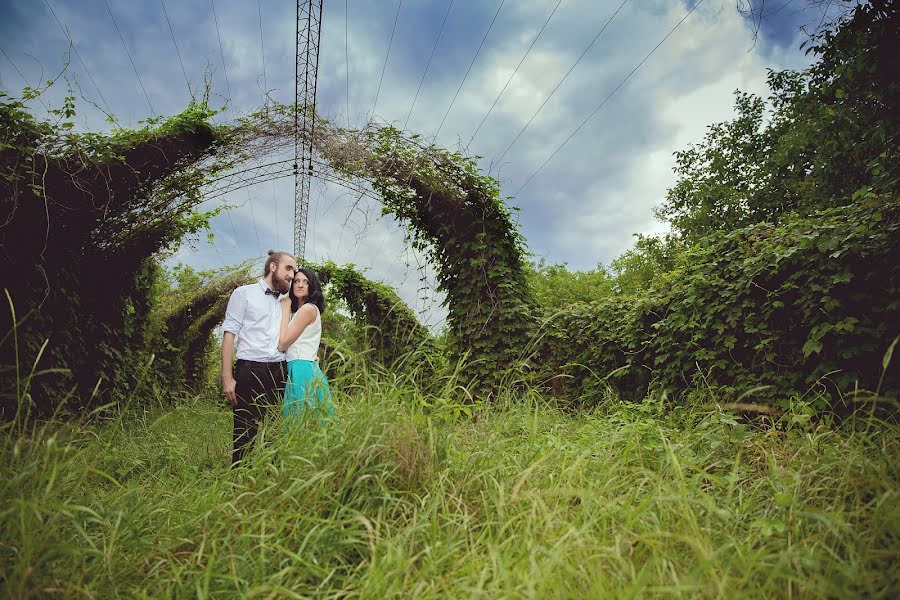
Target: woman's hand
(285, 304)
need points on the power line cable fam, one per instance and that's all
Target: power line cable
(275, 207)
(610, 95)
(177, 51)
(516, 70)
(222, 54)
(564, 77)
(474, 58)
(428, 64)
(387, 54)
(347, 55)
(77, 55)
(41, 100)
(237, 241)
(253, 216)
(128, 54)
(263, 50)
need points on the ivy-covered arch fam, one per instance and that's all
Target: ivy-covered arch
(81, 216)
(392, 329)
(455, 214)
(108, 203)
(185, 327)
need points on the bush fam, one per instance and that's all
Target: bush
(811, 300)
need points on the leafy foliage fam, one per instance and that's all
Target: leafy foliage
(811, 300)
(183, 320)
(456, 215)
(391, 328)
(82, 214)
(553, 285)
(647, 264)
(827, 137)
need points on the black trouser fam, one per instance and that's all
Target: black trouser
(259, 385)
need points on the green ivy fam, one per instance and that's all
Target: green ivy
(390, 327)
(84, 214)
(455, 214)
(811, 303)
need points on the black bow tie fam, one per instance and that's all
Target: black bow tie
(272, 293)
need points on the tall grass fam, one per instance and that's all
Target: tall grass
(398, 498)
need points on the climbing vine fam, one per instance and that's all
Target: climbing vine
(183, 321)
(454, 214)
(391, 328)
(810, 304)
(82, 214)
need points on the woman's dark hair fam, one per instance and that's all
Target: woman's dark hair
(315, 295)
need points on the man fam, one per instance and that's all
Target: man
(253, 317)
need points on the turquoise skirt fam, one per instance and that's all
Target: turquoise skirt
(306, 389)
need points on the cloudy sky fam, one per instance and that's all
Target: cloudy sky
(582, 208)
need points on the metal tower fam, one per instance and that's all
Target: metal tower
(309, 32)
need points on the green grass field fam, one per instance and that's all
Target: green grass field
(397, 500)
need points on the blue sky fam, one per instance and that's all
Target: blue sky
(582, 208)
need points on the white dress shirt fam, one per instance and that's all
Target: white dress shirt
(254, 318)
(307, 345)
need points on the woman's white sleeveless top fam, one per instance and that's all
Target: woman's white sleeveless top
(307, 345)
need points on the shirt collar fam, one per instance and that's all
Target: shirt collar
(264, 286)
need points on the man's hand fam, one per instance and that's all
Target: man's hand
(228, 387)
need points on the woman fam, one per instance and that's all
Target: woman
(298, 338)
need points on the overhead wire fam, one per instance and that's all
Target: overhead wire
(347, 54)
(222, 54)
(65, 31)
(262, 50)
(474, 58)
(610, 95)
(516, 70)
(177, 51)
(275, 208)
(253, 216)
(564, 77)
(237, 240)
(428, 64)
(387, 54)
(41, 100)
(128, 54)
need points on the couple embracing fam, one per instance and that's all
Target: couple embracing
(277, 323)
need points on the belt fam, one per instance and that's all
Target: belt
(257, 363)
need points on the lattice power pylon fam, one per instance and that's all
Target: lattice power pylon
(309, 32)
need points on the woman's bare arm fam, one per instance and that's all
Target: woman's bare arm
(290, 330)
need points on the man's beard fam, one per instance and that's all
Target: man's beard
(281, 286)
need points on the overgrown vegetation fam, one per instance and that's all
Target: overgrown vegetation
(187, 311)
(810, 303)
(83, 214)
(455, 214)
(389, 328)
(736, 432)
(396, 500)
(692, 307)
(827, 137)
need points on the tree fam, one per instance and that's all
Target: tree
(826, 137)
(554, 286)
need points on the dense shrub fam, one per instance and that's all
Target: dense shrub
(180, 333)
(389, 327)
(82, 216)
(814, 299)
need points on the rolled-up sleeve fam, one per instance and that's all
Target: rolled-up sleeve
(234, 314)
